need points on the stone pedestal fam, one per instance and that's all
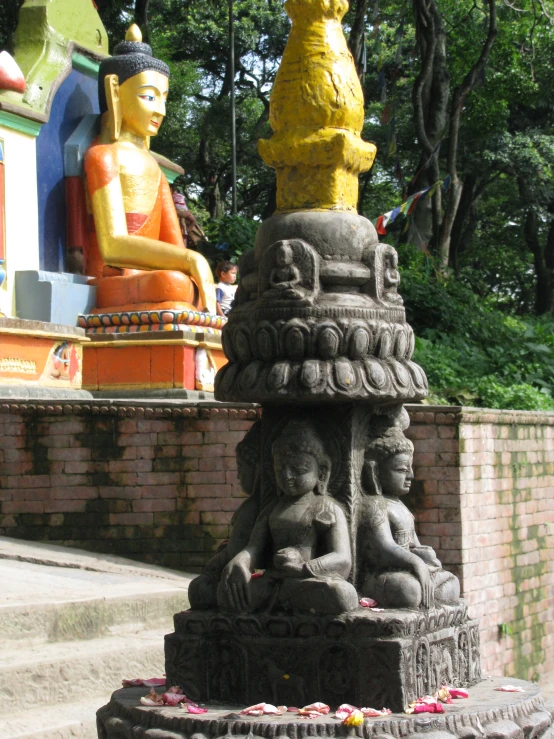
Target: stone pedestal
(152, 350)
(37, 355)
(487, 714)
(364, 658)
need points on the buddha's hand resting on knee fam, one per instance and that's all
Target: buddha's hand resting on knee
(235, 579)
(290, 562)
(427, 587)
(427, 554)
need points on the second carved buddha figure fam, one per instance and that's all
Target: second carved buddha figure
(396, 570)
(136, 252)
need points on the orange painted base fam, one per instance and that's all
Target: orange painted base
(43, 359)
(151, 365)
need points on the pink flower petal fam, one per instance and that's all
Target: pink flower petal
(344, 710)
(428, 708)
(175, 689)
(258, 573)
(368, 602)
(133, 683)
(511, 689)
(256, 710)
(458, 692)
(319, 707)
(374, 713)
(195, 709)
(173, 699)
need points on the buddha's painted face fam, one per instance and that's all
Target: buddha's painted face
(396, 474)
(142, 100)
(296, 473)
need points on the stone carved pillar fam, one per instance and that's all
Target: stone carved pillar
(318, 336)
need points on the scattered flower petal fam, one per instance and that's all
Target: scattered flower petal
(261, 709)
(356, 718)
(319, 707)
(173, 699)
(344, 710)
(457, 692)
(194, 709)
(510, 689)
(368, 602)
(257, 573)
(152, 699)
(443, 694)
(374, 713)
(427, 704)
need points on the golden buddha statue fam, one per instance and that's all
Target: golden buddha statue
(136, 252)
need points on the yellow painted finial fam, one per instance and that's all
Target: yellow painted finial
(317, 114)
(133, 33)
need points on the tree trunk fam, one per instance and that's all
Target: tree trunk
(356, 39)
(543, 295)
(141, 18)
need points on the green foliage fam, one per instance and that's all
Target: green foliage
(229, 237)
(472, 352)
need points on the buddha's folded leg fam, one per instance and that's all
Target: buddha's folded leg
(199, 269)
(447, 587)
(202, 592)
(326, 596)
(393, 589)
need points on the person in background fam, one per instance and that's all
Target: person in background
(226, 273)
(190, 229)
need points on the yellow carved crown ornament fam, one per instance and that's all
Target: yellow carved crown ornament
(317, 114)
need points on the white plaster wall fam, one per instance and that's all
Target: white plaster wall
(22, 245)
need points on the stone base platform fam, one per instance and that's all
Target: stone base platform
(366, 658)
(152, 350)
(487, 714)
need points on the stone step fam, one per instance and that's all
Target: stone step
(65, 672)
(65, 721)
(45, 603)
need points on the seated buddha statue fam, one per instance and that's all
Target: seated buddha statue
(136, 253)
(396, 569)
(300, 539)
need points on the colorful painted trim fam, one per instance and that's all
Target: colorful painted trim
(85, 65)
(20, 124)
(146, 328)
(151, 317)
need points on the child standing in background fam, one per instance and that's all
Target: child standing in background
(226, 273)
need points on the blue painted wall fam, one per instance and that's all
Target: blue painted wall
(77, 96)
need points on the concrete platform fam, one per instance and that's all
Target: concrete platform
(72, 626)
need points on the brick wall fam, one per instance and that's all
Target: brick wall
(484, 499)
(157, 482)
(154, 483)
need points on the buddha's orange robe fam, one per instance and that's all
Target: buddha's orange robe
(119, 290)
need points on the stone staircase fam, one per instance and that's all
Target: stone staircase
(72, 626)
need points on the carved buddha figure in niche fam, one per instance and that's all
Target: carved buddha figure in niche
(203, 589)
(289, 271)
(136, 251)
(300, 539)
(284, 275)
(397, 571)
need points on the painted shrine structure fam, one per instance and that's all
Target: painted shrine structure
(64, 329)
